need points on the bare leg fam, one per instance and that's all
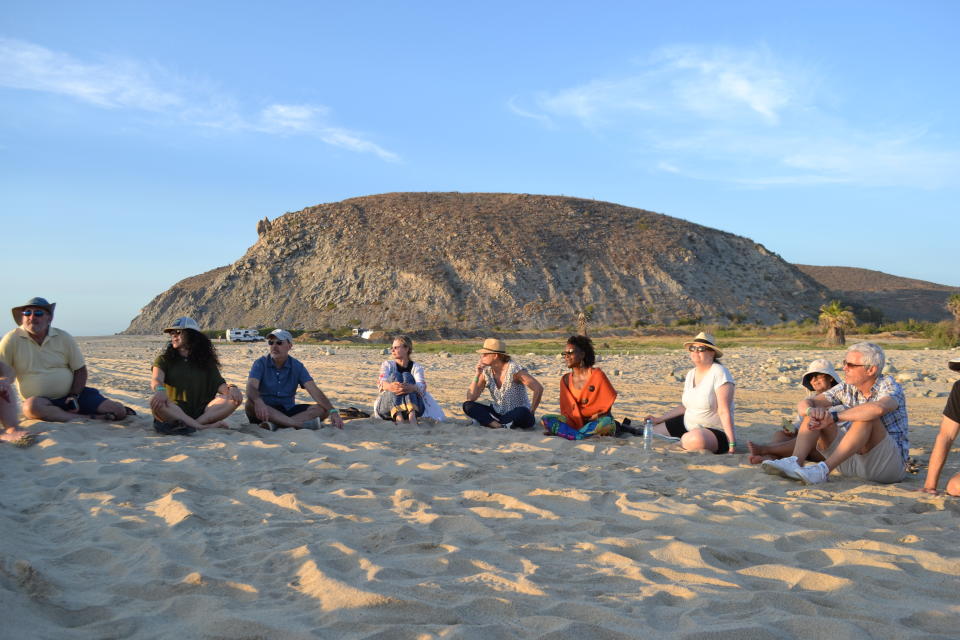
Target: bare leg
(807, 440)
(283, 420)
(113, 408)
(39, 408)
(171, 412)
(769, 451)
(699, 440)
(860, 437)
(8, 412)
(953, 486)
(218, 409)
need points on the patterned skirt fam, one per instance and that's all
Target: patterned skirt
(556, 425)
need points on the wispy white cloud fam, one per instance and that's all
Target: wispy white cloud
(131, 85)
(745, 117)
(111, 84)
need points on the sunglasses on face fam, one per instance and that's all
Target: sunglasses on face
(175, 332)
(39, 313)
(850, 365)
(568, 352)
(692, 349)
(273, 342)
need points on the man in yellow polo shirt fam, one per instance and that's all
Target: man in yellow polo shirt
(50, 369)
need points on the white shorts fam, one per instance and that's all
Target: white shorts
(883, 463)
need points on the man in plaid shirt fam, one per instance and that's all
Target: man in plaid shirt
(874, 446)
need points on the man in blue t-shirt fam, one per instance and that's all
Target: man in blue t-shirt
(272, 387)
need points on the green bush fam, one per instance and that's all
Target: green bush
(942, 335)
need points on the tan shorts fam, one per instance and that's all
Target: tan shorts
(883, 463)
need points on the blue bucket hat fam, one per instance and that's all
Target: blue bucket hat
(33, 302)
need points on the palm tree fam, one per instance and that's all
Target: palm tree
(835, 317)
(953, 306)
(583, 318)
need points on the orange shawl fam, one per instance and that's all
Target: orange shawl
(596, 396)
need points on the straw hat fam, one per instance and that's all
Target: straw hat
(819, 366)
(706, 340)
(493, 345)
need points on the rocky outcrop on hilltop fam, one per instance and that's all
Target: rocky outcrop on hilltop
(468, 260)
(895, 297)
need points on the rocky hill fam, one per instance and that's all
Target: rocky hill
(468, 260)
(897, 298)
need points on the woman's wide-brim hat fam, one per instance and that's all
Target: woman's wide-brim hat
(819, 366)
(706, 340)
(32, 302)
(493, 345)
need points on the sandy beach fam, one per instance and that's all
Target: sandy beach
(455, 531)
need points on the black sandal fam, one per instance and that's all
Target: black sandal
(175, 428)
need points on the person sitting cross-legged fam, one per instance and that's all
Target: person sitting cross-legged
(189, 392)
(272, 387)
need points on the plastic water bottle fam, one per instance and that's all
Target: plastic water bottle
(647, 434)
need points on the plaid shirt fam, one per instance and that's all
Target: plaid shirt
(895, 421)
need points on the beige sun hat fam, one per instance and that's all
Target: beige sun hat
(819, 366)
(706, 340)
(493, 345)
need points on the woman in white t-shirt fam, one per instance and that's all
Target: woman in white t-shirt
(704, 420)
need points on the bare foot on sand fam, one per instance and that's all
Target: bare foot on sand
(758, 452)
(12, 435)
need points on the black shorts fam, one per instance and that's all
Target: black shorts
(952, 410)
(676, 428)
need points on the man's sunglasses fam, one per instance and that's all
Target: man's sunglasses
(692, 348)
(39, 313)
(273, 342)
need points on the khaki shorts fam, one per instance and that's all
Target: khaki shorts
(883, 463)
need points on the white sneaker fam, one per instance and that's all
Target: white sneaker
(814, 474)
(784, 467)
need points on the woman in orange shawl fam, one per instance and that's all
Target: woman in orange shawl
(586, 396)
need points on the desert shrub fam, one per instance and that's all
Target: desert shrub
(942, 335)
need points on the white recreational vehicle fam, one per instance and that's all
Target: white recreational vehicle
(243, 335)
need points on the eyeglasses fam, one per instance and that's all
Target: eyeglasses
(273, 342)
(175, 332)
(692, 348)
(39, 313)
(851, 365)
(567, 353)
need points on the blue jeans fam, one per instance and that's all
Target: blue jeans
(521, 417)
(390, 405)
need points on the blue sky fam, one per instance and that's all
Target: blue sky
(140, 142)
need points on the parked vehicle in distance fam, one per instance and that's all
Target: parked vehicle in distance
(243, 335)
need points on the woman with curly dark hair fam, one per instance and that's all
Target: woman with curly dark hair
(189, 392)
(586, 396)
